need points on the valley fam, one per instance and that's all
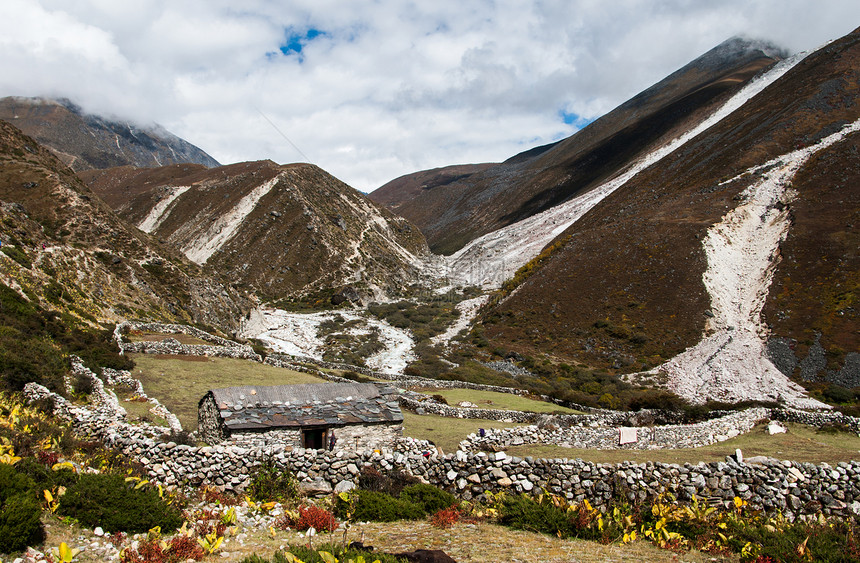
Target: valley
(653, 317)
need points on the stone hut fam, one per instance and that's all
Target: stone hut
(359, 415)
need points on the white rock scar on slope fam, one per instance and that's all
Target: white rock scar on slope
(156, 215)
(495, 257)
(742, 252)
(202, 247)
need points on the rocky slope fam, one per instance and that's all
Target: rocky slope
(680, 256)
(83, 141)
(454, 213)
(65, 248)
(280, 231)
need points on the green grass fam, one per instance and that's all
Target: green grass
(179, 382)
(446, 432)
(494, 400)
(800, 443)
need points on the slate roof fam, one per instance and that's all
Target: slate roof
(249, 407)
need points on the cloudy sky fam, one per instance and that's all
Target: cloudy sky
(373, 89)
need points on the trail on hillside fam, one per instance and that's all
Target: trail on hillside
(495, 257)
(742, 250)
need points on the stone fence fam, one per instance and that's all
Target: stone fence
(630, 438)
(221, 347)
(789, 487)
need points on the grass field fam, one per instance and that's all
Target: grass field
(800, 443)
(179, 382)
(446, 432)
(494, 400)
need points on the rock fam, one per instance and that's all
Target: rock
(426, 556)
(314, 488)
(739, 455)
(344, 486)
(775, 428)
(98, 531)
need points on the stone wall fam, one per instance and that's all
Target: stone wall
(349, 438)
(221, 347)
(607, 437)
(210, 426)
(792, 488)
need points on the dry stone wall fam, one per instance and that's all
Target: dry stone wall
(607, 437)
(221, 347)
(792, 488)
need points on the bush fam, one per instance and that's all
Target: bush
(373, 506)
(431, 499)
(392, 484)
(20, 526)
(107, 500)
(524, 513)
(446, 517)
(311, 516)
(272, 483)
(19, 511)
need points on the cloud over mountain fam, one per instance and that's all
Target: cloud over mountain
(370, 91)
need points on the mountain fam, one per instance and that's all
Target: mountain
(722, 263)
(399, 191)
(452, 214)
(64, 248)
(281, 231)
(84, 141)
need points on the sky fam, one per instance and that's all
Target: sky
(370, 90)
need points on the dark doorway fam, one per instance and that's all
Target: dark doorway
(314, 438)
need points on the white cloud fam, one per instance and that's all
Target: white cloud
(390, 87)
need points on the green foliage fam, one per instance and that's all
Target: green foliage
(13, 483)
(424, 320)
(26, 358)
(391, 482)
(372, 506)
(18, 255)
(34, 344)
(273, 483)
(107, 500)
(19, 511)
(431, 499)
(525, 513)
(20, 526)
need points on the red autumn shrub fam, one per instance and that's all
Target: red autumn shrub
(317, 518)
(446, 517)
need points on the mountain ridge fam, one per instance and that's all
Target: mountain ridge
(458, 212)
(86, 141)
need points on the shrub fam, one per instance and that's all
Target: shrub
(317, 518)
(393, 483)
(107, 500)
(446, 517)
(19, 511)
(181, 548)
(374, 506)
(431, 499)
(524, 513)
(273, 483)
(20, 526)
